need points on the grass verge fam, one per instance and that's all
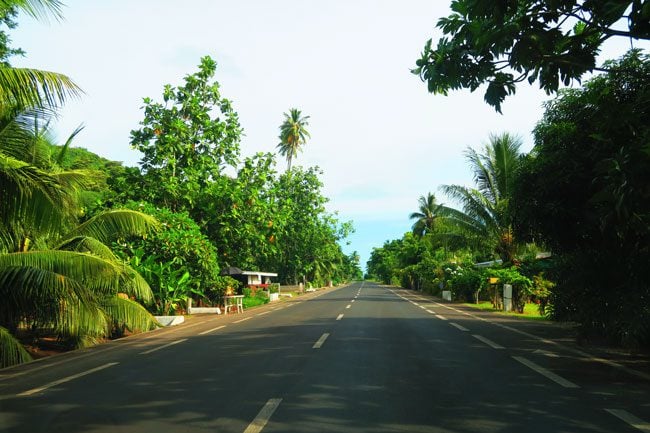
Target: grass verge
(531, 311)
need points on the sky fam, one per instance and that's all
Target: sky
(380, 138)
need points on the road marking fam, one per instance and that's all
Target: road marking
(213, 329)
(626, 416)
(339, 317)
(415, 303)
(263, 416)
(321, 340)
(242, 320)
(441, 317)
(263, 313)
(430, 312)
(457, 326)
(352, 300)
(490, 343)
(544, 372)
(547, 353)
(146, 352)
(65, 379)
(423, 307)
(348, 306)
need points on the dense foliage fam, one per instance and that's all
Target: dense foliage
(87, 244)
(501, 43)
(595, 210)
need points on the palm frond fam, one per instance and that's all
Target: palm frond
(39, 9)
(31, 198)
(95, 273)
(27, 88)
(112, 224)
(129, 314)
(35, 292)
(11, 351)
(86, 244)
(64, 149)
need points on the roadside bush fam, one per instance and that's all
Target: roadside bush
(467, 283)
(178, 248)
(522, 286)
(253, 298)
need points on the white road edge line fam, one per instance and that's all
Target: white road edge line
(263, 416)
(213, 329)
(339, 317)
(321, 340)
(244, 319)
(626, 416)
(460, 327)
(262, 313)
(489, 342)
(544, 372)
(65, 379)
(146, 352)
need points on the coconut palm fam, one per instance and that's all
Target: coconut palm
(486, 208)
(428, 214)
(292, 134)
(63, 284)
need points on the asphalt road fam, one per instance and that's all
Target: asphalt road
(363, 358)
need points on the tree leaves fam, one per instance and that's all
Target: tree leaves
(502, 43)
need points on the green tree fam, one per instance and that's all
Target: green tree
(487, 214)
(241, 214)
(186, 140)
(427, 215)
(585, 191)
(502, 43)
(293, 134)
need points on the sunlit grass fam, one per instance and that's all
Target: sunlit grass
(531, 311)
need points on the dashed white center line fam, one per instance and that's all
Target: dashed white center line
(242, 320)
(547, 373)
(262, 313)
(626, 416)
(65, 379)
(490, 343)
(339, 317)
(146, 352)
(423, 307)
(457, 326)
(430, 312)
(352, 300)
(321, 340)
(348, 306)
(441, 317)
(213, 329)
(263, 416)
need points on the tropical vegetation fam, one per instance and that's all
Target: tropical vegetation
(566, 224)
(89, 248)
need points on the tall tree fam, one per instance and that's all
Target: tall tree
(585, 190)
(187, 140)
(428, 213)
(293, 134)
(486, 209)
(501, 43)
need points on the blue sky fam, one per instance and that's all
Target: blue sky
(380, 138)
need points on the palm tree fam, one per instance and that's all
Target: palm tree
(292, 134)
(427, 216)
(486, 211)
(55, 283)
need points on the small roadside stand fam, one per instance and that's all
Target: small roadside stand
(252, 279)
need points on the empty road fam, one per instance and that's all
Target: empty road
(362, 358)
